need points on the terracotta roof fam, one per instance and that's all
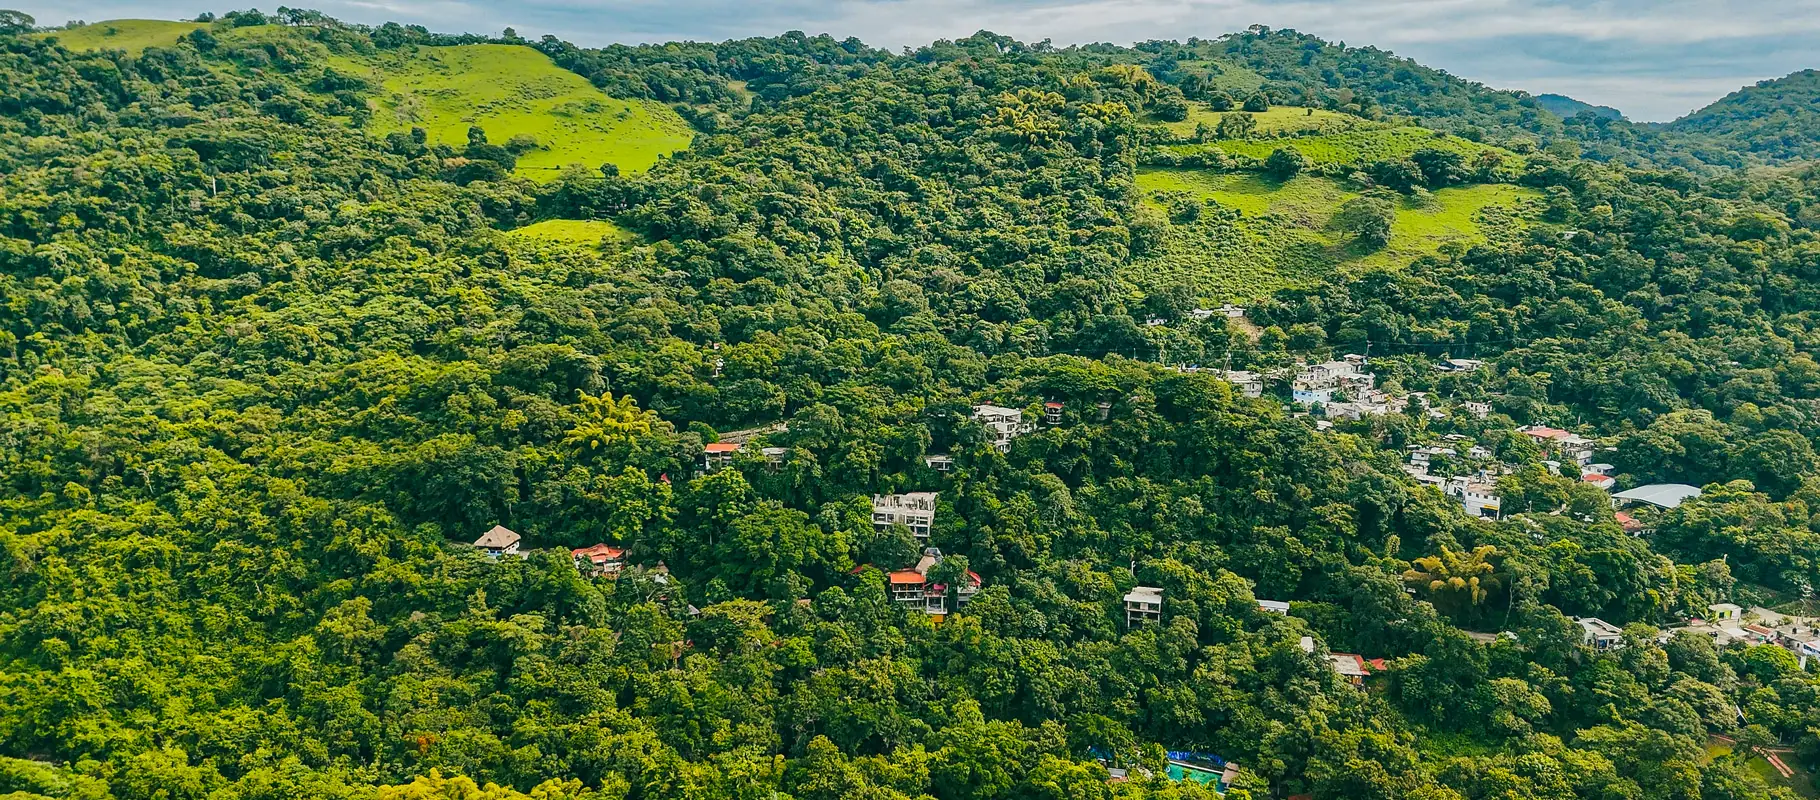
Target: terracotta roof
(598, 552)
(1627, 521)
(907, 576)
(1547, 433)
(1052, 405)
(721, 447)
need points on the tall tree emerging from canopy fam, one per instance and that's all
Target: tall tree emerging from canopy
(1456, 582)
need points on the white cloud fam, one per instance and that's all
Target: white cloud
(1653, 58)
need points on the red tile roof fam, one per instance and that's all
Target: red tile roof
(598, 553)
(907, 576)
(721, 447)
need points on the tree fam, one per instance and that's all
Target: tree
(15, 22)
(1456, 582)
(1170, 107)
(1257, 102)
(1368, 220)
(1236, 125)
(1439, 167)
(1220, 101)
(1285, 162)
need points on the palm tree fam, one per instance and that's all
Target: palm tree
(1458, 579)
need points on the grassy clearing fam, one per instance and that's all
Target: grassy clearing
(510, 90)
(572, 231)
(1352, 147)
(131, 35)
(1233, 79)
(1266, 235)
(1801, 782)
(1279, 119)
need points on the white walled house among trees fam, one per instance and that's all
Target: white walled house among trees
(1003, 423)
(913, 510)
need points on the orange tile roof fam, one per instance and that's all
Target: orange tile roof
(721, 447)
(907, 576)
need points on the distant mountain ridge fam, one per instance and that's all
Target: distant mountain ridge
(1567, 108)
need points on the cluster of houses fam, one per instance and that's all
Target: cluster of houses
(1727, 623)
(1477, 493)
(1343, 388)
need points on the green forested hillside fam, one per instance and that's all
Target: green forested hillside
(1773, 119)
(269, 364)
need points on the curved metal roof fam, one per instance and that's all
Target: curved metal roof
(1665, 495)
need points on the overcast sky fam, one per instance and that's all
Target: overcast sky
(1652, 59)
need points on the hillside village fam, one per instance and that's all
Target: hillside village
(1339, 391)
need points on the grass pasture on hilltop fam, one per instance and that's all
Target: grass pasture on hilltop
(1354, 146)
(131, 35)
(1279, 119)
(1265, 235)
(510, 90)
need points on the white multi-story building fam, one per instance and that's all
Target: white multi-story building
(1143, 604)
(1249, 384)
(1480, 499)
(913, 510)
(1005, 424)
(939, 463)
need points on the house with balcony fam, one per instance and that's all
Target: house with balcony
(718, 456)
(1004, 424)
(500, 541)
(1599, 634)
(911, 587)
(1479, 498)
(1143, 604)
(599, 561)
(939, 462)
(1249, 384)
(913, 510)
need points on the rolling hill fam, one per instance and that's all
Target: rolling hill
(1262, 235)
(511, 90)
(131, 35)
(1777, 120)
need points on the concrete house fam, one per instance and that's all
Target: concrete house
(1480, 499)
(1143, 604)
(1316, 383)
(1052, 413)
(1599, 634)
(718, 455)
(939, 463)
(1249, 384)
(913, 510)
(500, 541)
(1003, 423)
